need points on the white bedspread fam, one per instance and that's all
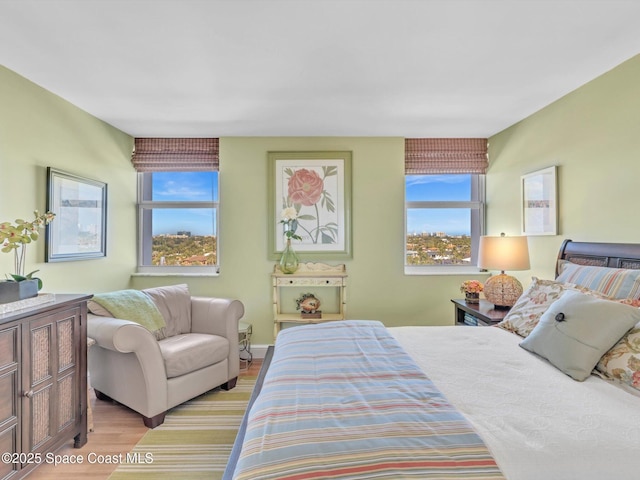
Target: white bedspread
(538, 423)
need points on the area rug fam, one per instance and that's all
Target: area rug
(194, 441)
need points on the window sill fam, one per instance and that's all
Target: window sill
(176, 274)
(444, 270)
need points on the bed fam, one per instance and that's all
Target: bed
(354, 399)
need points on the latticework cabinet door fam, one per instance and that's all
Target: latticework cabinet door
(9, 395)
(50, 378)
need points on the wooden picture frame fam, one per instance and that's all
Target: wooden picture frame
(540, 202)
(318, 185)
(80, 229)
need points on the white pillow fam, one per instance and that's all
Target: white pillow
(578, 329)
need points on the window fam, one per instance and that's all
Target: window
(444, 203)
(177, 204)
(444, 220)
(178, 221)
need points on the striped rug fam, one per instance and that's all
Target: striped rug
(194, 441)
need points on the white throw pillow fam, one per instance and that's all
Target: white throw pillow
(578, 329)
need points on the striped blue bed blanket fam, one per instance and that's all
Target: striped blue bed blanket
(343, 400)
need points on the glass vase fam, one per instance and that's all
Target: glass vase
(289, 260)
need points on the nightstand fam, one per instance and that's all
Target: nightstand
(477, 314)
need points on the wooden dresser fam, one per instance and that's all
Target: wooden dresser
(43, 382)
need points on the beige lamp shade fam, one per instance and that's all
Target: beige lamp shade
(503, 253)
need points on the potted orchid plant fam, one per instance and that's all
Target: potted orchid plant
(14, 237)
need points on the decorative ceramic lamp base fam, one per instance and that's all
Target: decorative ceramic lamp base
(502, 290)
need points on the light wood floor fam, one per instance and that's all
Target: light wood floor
(116, 430)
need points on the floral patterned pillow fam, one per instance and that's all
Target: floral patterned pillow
(622, 362)
(525, 314)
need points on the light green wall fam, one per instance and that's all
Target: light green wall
(39, 129)
(593, 136)
(376, 288)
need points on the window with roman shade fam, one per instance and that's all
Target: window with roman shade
(444, 203)
(445, 155)
(178, 204)
(176, 154)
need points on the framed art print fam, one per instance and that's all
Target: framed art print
(80, 229)
(318, 186)
(539, 202)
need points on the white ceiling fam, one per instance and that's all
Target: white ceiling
(430, 68)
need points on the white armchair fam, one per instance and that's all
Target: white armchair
(153, 372)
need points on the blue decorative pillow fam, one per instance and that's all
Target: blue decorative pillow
(578, 329)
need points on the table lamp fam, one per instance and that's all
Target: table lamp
(503, 253)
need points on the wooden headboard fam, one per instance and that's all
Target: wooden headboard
(613, 255)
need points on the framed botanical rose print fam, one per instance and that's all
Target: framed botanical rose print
(313, 192)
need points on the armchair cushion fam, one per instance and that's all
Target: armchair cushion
(132, 305)
(98, 309)
(187, 353)
(174, 303)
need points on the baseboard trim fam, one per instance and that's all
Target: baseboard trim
(259, 351)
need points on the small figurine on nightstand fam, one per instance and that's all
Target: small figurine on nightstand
(309, 305)
(471, 290)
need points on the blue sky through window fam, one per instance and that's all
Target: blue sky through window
(453, 221)
(184, 187)
(203, 187)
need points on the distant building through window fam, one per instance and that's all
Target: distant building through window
(444, 202)
(444, 219)
(177, 214)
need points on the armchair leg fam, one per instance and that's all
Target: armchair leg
(230, 384)
(102, 396)
(153, 422)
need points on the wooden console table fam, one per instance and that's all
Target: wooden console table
(308, 275)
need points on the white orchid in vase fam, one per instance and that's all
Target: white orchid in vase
(16, 237)
(289, 259)
(289, 218)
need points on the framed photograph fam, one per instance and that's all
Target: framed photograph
(79, 231)
(318, 186)
(539, 202)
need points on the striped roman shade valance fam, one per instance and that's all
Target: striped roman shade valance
(445, 155)
(175, 154)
